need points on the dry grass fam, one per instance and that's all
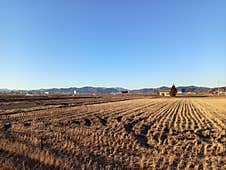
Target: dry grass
(164, 133)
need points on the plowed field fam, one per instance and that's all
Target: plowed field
(162, 133)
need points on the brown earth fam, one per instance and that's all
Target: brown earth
(147, 133)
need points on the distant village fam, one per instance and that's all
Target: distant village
(158, 91)
(215, 92)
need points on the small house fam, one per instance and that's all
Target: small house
(179, 92)
(164, 92)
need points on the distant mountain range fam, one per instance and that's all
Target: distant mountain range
(90, 89)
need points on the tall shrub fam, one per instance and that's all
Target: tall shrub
(173, 91)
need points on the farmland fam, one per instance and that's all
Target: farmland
(113, 133)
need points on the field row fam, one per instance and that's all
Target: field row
(173, 133)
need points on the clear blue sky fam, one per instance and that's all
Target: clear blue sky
(126, 43)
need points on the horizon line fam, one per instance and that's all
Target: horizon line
(43, 88)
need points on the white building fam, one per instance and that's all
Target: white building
(164, 92)
(74, 93)
(179, 92)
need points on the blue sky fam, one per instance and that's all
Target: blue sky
(132, 44)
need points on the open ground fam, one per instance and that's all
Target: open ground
(112, 132)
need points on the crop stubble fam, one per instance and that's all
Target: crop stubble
(164, 133)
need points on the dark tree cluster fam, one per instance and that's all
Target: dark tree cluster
(173, 91)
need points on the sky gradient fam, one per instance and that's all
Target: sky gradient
(131, 44)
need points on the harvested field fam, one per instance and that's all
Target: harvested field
(158, 133)
(11, 104)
